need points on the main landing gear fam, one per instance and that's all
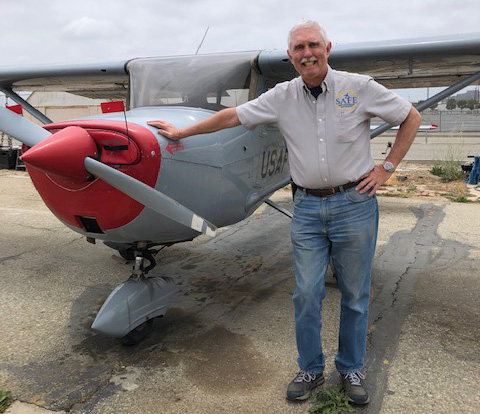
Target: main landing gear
(129, 311)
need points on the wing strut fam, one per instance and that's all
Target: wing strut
(256, 198)
(29, 108)
(433, 100)
(279, 208)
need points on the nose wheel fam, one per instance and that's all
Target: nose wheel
(140, 271)
(138, 334)
(129, 311)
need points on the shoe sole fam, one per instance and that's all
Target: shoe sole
(355, 402)
(307, 395)
(358, 403)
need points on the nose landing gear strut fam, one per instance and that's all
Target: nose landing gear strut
(129, 311)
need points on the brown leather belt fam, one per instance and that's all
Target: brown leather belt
(327, 192)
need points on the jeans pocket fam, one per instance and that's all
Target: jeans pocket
(298, 196)
(355, 197)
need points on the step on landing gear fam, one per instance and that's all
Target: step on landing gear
(129, 311)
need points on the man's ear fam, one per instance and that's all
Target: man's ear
(329, 48)
(289, 55)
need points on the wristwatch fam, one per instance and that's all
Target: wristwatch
(388, 166)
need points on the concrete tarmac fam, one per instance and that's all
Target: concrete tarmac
(227, 343)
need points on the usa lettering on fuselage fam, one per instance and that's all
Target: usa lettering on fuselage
(274, 162)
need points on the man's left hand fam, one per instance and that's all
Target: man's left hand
(372, 180)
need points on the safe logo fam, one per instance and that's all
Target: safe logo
(346, 100)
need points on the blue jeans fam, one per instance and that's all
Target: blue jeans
(341, 229)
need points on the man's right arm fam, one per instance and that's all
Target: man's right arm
(226, 118)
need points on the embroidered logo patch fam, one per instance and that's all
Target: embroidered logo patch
(346, 100)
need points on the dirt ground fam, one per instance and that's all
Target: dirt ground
(413, 179)
(416, 180)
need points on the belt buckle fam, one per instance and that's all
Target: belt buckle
(331, 190)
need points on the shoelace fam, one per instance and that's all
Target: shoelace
(354, 378)
(304, 376)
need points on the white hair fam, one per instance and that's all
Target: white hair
(306, 24)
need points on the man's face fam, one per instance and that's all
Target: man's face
(309, 55)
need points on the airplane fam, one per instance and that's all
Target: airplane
(113, 178)
(423, 127)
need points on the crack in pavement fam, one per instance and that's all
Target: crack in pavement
(13, 257)
(403, 260)
(16, 256)
(48, 229)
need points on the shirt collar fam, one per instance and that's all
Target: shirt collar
(326, 84)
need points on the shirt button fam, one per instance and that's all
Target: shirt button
(324, 179)
(321, 139)
(323, 159)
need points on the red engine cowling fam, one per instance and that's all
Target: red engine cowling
(56, 168)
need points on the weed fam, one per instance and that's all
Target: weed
(459, 199)
(5, 400)
(330, 401)
(449, 168)
(448, 171)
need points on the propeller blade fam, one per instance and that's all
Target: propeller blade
(20, 128)
(149, 197)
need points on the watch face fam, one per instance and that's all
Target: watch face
(388, 166)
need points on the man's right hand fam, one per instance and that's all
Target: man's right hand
(166, 129)
(226, 118)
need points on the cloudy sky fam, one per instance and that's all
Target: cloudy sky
(47, 31)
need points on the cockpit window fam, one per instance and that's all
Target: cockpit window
(203, 81)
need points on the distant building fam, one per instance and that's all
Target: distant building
(469, 94)
(60, 106)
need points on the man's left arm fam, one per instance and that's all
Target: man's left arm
(406, 134)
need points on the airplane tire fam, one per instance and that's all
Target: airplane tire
(128, 254)
(138, 334)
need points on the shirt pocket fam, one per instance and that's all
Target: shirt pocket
(347, 126)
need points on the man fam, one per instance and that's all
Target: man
(324, 117)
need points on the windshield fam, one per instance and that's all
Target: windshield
(203, 81)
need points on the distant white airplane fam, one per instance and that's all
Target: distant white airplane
(422, 127)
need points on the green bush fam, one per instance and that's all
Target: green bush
(449, 171)
(459, 199)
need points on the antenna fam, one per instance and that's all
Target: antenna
(201, 43)
(126, 124)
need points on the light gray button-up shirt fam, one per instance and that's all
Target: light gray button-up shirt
(328, 138)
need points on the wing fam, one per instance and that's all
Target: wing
(107, 81)
(410, 63)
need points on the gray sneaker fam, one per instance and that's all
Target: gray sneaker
(354, 388)
(303, 384)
